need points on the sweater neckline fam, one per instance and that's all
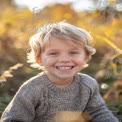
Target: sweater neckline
(51, 85)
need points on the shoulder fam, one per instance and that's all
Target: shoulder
(34, 83)
(36, 79)
(87, 81)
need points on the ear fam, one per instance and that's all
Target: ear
(38, 60)
(85, 62)
(87, 58)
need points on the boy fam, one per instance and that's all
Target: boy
(63, 50)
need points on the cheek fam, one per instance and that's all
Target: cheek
(47, 61)
(80, 60)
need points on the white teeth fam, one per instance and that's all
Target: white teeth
(64, 68)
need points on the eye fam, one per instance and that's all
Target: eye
(53, 53)
(73, 52)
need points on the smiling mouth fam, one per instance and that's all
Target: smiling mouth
(64, 67)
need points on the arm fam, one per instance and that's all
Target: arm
(97, 109)
(22, 107)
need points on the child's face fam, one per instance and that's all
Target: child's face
(62, 59)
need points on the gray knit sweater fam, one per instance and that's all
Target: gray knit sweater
(38, 99)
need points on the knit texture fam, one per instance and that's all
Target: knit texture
(38, 100)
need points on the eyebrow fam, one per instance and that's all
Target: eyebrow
(75, 48)
(49, 50)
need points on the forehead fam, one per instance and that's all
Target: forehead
(56, 43)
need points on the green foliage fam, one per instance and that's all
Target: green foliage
(4, 100)
(116, 109)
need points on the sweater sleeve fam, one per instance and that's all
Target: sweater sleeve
(22, 106)
(96, 107)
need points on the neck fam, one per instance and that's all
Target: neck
(63, 83)
(60, 82)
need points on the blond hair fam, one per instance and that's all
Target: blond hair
(63, 31)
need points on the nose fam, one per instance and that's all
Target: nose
(64, 58)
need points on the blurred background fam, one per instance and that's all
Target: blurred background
(20, 19)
